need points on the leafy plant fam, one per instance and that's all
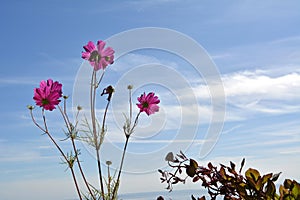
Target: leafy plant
(228, 181)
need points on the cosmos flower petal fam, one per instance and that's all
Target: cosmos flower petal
(148, 103)
(99, 57)
(48, 94)
(100, 46)
(89, 47)
(85, 55)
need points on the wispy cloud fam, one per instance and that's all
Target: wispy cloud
(248, 94)
(259, 91)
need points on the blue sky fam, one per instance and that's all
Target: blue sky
(255, 46)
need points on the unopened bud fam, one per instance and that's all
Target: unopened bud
(129, 87)
(30, 107)
(108, 162)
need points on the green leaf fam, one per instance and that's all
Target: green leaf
(296, 190)
(191, 169)
(265, 178)
(223, 173)
(271, 189)
(241, 190)
(253, 177)
(193, 163)
(287, 183)
(252, 174)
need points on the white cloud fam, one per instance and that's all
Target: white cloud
(247, 93)
(262, 93)
(259, 91)
(262, 86)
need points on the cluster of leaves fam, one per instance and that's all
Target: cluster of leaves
(228, 182)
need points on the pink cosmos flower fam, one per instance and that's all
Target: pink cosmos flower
(99, 57)
(48, 94)
(148, 103)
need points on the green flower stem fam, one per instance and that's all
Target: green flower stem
(130, 106)
(72, 137)
(81, 171)
(120, 170)
(101, 77)
(123, 155)
(45, 130)
(103, 121)
(109, 181)
(93, 116)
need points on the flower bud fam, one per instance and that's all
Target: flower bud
(30, 107)
(79, 108)
(108, 162)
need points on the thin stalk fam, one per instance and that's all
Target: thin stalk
(109, 181)
(45, 130)
(126, 143)
(120, 170)
(76, 184)
(93, 116)
(101, 140)
(135, 123)
(100, 173)
(130, 106)
(101, 77)
(80, 169)
(34, 121)
(92, 109)
(66, 119)
(104, 116)
(65, 115)
(72, 137)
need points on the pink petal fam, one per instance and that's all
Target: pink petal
(85, 55)
(104, 63)
(89, 47)
(100, 46)
(108, 52)
(43, 84)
